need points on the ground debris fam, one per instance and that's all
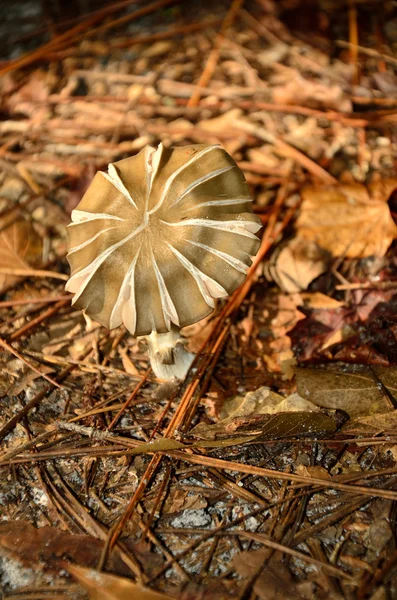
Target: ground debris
(271, 471)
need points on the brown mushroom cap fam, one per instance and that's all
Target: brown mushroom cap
(157, 238)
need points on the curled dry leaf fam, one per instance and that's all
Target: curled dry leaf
(264, 401)
(20, 248)
(102, 586)
(348, 220)
(295, 265)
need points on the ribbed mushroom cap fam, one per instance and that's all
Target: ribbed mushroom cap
(160, 235)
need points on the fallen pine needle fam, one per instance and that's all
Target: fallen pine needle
(17, 354)
(38, 300)
(34, 273)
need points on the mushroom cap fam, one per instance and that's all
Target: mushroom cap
(159, 236)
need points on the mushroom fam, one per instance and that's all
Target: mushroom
(157, 238)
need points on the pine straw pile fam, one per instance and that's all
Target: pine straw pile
(253, 478)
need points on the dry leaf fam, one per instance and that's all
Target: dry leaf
(264, 156)
(30, 99)
(222, 123)
(181, 500)
(294, 266)
(298, 90)
(102, 586)
(264, 402)
(385, 423)
(353, 390)
(47, 548)
(274, 581)
(266, 427)
(128, 365)
(338, 335)
(348, 220)
(158, 49)
(24, 382)
(318, 300)
(20, 248)
(317, 472)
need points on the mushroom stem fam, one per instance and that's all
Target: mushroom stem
(168, 356)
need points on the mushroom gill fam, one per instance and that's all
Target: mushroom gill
(157, 238)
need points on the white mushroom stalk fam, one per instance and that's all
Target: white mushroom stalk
(156, 239)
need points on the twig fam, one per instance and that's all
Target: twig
(130, 399)
(38, 300)
(45, 315)
(368, 51)
(170, 33)
(286, 149)
(214, 54)
(353, 36)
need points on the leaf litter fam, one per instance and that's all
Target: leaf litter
(270, 472)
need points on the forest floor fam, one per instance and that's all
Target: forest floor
(271, 471)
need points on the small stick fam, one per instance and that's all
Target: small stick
(368, 52)
(39, 319)
(286, 149)
(43, 300)
(164, 35)
(353, 35)
(214, 54)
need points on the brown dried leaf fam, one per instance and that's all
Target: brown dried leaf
(297, 264)
(264, 402)
(317, 472)
(385, 423)
(274, 582)
(318, 300)
(20, 248)
(47, 547)
(348, 220)
(180, 500)
(353, 390)
(299, 90)
(24, 382)
(30, 99)
(102, 586)
(264, 427)
(128, 365)
(222, 123)
(158, 49)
